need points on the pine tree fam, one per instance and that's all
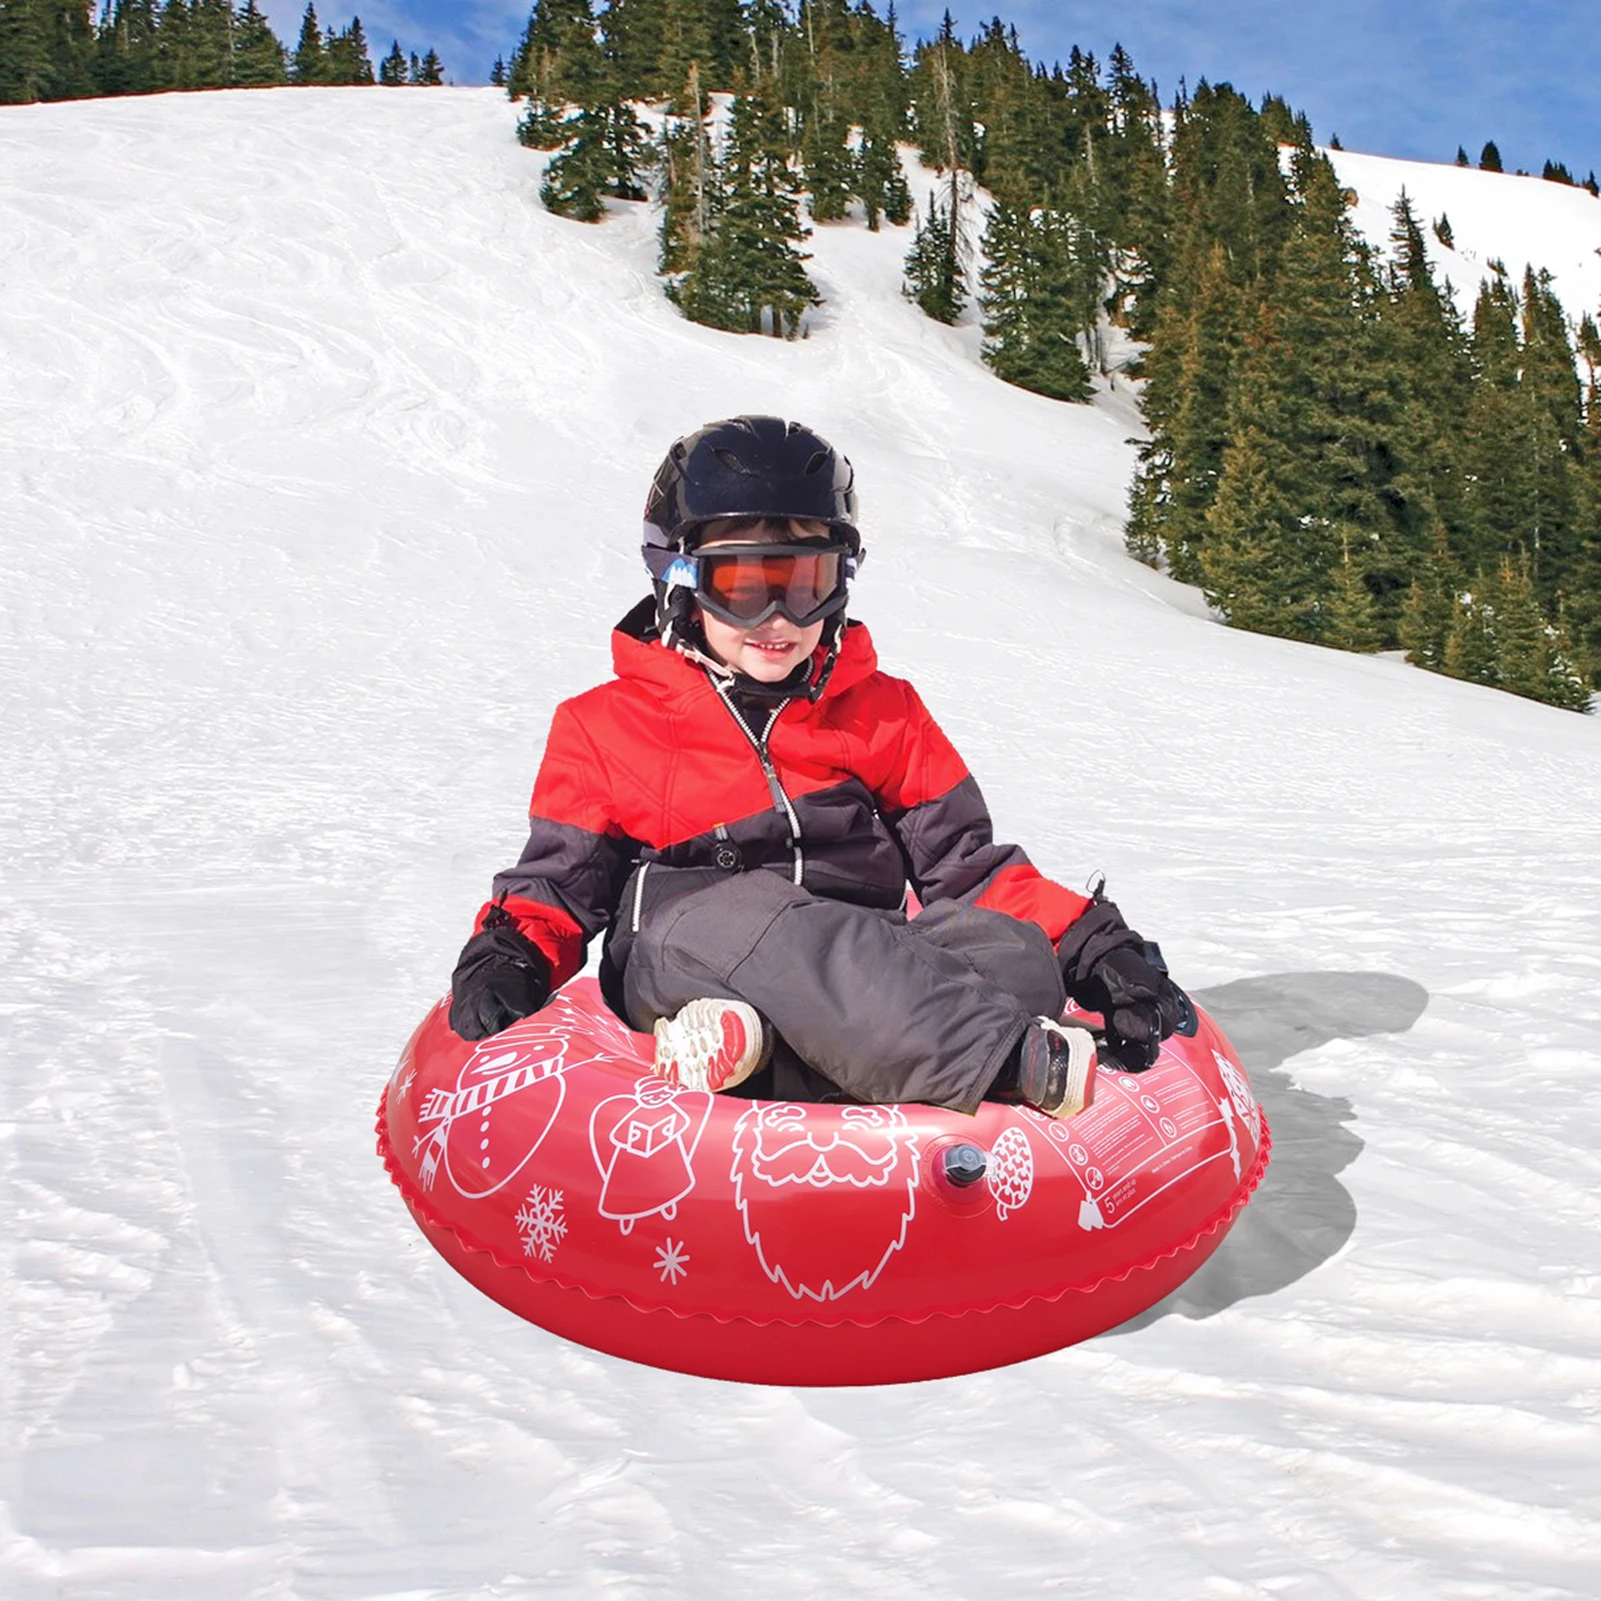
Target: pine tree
(1031, 319)
(880, 182)
(536, 72)
(1497, 481)
(174, 64)
(211, 44)
(1193, 370)
(730, 43)
(749, 277)
(1521, 649)
(392, 69)
(942, 122)
(309, 64)
(1533, 657)
(944, 128)
(1255, 569)
(497, 73)
(1521, 433)
(1425, 621)
(1278, 121)
(1089, 257)
(1567, 684)
(576, 178)
(1489, 157)
(1582, 597)
(1470, 651)
(26, 67)
(686, 41)
(691, 191)
(1134, 164)
(430, 71)
(633, 36)
(1085, 108)
(258, 54)
(125, 49)
(1351, 623)
(47, 50)
(1549, 388)
(1232, 216)
(1228, 186)
(1589, 345)
(1011, 251)
(1009, 115)
(711, 34)
(1461, 156)
(347, 57)
(602, 143)
(1313, 368)
(826, 161)
(936, 268)
(1272, 537)
(1425, 384)
(770, 38)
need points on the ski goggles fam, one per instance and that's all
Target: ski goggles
(744, 585)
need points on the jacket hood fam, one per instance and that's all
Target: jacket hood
(639, 655)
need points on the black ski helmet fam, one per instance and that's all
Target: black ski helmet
(750, 467)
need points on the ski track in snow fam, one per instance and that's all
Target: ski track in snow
(321, 452)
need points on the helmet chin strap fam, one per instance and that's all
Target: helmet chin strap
(833, 634)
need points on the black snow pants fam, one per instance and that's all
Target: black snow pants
(883, 1007)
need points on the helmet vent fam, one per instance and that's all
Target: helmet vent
(729, 459)
(817, 463)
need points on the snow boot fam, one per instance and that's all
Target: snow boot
(711, 1045)
(1056, 1068)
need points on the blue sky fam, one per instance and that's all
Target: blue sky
(1400, 80)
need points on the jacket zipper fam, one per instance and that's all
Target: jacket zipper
(774, 787)
(639, 892)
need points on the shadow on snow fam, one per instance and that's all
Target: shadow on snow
(1302, 1214)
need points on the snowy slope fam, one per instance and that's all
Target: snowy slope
(1522, 222)
(321, 452)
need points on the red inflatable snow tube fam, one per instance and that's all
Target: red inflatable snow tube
(788, 1244)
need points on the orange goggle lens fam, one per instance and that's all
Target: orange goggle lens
(746, 586)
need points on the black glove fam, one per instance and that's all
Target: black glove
(501, 975)
(1109, 969)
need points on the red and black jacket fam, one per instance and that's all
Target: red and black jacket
(654, 785)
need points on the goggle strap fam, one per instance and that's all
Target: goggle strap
(672, 567)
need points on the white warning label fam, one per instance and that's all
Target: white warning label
(1144, 1133)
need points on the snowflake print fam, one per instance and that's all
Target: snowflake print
(542, 1223)
(403, 1089)
(672, 1261)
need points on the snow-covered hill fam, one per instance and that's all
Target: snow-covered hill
(321, 454)
(1520, 222)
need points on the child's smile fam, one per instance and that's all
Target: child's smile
(767, 653)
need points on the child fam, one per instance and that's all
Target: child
(740, 812)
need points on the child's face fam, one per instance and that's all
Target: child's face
(775, 648)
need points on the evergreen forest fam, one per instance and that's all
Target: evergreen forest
(1336, 454)
(60, 50)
